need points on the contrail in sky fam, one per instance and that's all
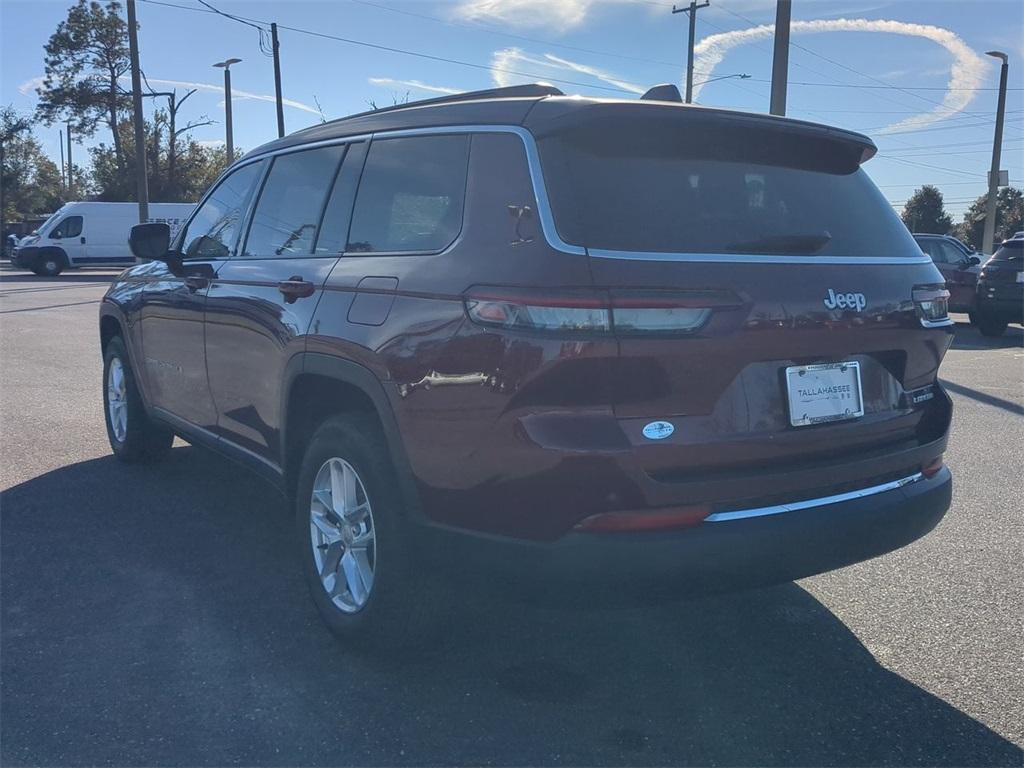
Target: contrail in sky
(966, 75)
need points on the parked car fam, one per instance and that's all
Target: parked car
(90, 235)
(609, 348)
(958, 265)
(1001, 288)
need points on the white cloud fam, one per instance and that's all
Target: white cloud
(211, 143)
(508, 61)
(387, 82)
(966, 74)
(558, 15)
(563, 14)
(30, 85)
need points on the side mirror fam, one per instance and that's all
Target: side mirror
(973, 261)
(150, 241)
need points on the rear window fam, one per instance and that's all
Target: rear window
(1010, 250)
(668, 186)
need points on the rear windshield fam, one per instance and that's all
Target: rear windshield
(666, 186)
(1010, 250)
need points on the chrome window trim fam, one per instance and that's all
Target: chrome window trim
(755, 258)
(547, 219)
(824, 501)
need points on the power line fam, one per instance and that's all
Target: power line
(491, 30)
(928, 184)
(927, 165)
(417, 54)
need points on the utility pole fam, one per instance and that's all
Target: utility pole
(692, 13)
(780, 59)
(141, 180)
(63, 179)
(71, 167)
(226, 66)
(277, 79)
(997, 143)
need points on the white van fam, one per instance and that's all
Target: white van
(91, 235)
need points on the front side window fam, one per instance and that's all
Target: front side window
(70, 226)
(287, 215)
(931, 247)
(213, 230)
(411, 195)
(950, 253)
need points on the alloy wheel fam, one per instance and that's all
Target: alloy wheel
(117, 399)
(343, 535)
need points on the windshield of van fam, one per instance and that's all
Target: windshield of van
(669, 186)
(42, 228)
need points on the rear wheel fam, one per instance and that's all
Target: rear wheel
(353, 540)
(990, 325)
(132, 434)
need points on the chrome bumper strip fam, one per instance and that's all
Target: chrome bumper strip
(838, 498)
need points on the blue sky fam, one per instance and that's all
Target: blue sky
(913, 75)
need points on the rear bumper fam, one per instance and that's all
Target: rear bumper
(729, 551)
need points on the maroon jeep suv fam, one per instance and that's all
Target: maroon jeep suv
(614, 347)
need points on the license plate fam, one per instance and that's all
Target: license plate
(822, 393)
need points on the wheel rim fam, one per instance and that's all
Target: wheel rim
(117, 399)
(343, 535)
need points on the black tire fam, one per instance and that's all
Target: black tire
(396, 608)
(49, 264)
(992, 326)
(973, 318)
(143, 439)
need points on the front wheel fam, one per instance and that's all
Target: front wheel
(132, 434)
(353, 539)
(48, 265)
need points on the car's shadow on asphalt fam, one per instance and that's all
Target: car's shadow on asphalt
(155, 615)
(969, 337)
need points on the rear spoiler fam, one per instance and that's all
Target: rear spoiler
(554, 115)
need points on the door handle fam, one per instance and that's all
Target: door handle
(82, 240)
(295, 288)
(196, 283)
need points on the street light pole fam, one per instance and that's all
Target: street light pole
(226, 66)
(997, 143)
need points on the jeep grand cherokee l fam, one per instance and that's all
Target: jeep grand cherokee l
(617, 347)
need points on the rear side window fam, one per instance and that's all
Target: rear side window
(411, 195)
(671, 185)
(70, 226)
(288, 213)
(212, 232)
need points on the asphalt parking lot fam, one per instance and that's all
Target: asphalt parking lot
(155, 615)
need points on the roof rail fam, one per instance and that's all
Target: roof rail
(509, 92)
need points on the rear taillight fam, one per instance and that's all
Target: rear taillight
(668, 519)
(642, 312)
(932, 304)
